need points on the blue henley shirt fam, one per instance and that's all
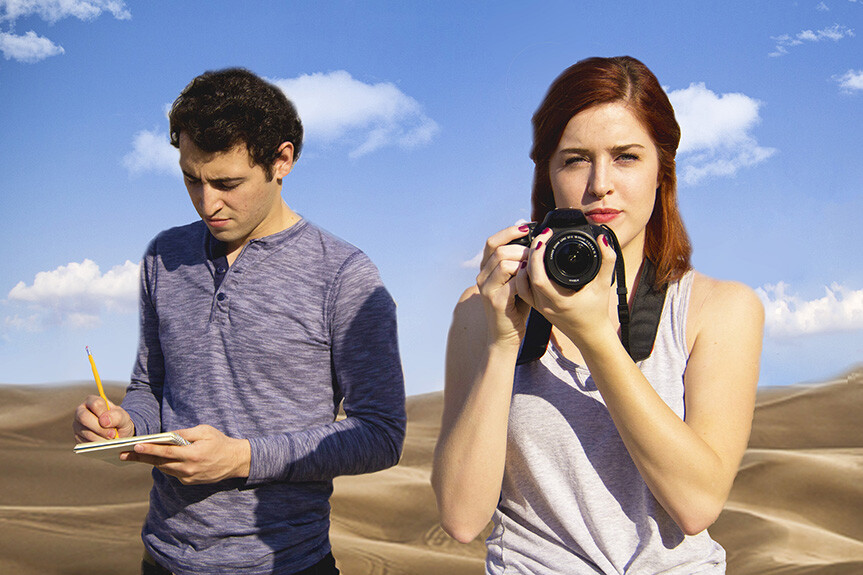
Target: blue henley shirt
(299, 322)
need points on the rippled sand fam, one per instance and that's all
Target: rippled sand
(796, 506)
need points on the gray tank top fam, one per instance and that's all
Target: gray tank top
(572, 500)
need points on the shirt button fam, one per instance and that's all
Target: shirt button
(221, 297)
(221, 270)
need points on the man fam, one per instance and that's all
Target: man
(255, 324)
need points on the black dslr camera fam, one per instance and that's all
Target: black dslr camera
(572, 256)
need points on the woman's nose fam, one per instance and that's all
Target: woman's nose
(600, 181)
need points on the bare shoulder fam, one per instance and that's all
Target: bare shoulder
(720, 305)
(713, 295)
(469, 294)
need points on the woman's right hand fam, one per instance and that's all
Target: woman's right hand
(501, 263)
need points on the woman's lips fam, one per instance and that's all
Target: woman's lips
(602, 216)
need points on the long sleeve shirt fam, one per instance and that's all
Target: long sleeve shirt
(299, 322)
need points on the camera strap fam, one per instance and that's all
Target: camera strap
(646, 312)
(637, 328)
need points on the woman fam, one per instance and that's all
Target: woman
(586, 460)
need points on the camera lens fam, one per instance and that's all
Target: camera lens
(574, 258)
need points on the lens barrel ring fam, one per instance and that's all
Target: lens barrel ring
(572, 258)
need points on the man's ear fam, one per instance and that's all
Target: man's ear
(284, 163)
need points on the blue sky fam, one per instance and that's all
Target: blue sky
(418, 129)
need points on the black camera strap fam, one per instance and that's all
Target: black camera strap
(637, 328)
(536, 337)
(622, 303)
(646, 312)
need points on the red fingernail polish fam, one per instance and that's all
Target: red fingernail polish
(524, 228)
(523, 264)
(605, 240)
(539, 244)
(546, 230)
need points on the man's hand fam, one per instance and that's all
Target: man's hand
(212, 457)
(94, 422)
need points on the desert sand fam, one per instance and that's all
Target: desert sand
(796, 506)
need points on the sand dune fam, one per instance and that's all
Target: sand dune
(796, 507)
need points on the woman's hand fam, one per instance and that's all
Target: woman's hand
(502, 262)
(578, 314)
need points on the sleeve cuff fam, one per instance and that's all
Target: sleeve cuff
(271, 459)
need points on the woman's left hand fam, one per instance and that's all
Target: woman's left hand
(576, 313)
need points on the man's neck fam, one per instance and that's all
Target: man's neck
(286, 218)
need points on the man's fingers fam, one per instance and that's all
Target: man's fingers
(88, 425)
(97, 405)
(182, 469)
(198, 432)
(86, 436)
(143, 458)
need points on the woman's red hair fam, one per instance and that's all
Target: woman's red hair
(622, 79)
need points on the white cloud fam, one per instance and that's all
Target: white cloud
(335, 107)
(850, 81)
(475, 261)
(29, 48)
(716, 135)
(822, 7)
(152, 152)
(835, 32)
(787, 315)
(54, 10)
(31, 323)
(75, 295)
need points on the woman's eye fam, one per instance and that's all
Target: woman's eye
(628, 157)
(574, 160)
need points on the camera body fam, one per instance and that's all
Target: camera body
(572, 255)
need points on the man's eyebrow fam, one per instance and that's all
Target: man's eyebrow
(225, 180)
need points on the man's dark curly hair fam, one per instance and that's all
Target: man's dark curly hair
(220, 109)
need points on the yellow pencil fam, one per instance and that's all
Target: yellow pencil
(99, 384)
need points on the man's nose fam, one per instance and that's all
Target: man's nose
(211, 199)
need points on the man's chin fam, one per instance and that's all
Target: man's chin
(221, 234)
